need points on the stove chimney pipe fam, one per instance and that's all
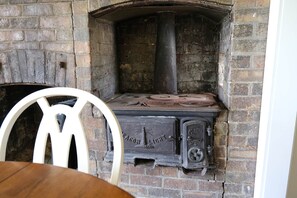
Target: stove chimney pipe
(165, 78)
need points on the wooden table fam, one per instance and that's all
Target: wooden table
(25, 179)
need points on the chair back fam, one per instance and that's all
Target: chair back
(61, 137)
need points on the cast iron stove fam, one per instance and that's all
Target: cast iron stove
(170, 130)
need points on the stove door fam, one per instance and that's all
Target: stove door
(195, 140)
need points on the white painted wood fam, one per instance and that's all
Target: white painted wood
(279, 104)
(292, 182)
(72, 126)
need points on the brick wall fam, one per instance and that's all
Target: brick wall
(35, 39)
(249, 24)
(136, 54)
(59, 32)
(196, 51)
(104, 69)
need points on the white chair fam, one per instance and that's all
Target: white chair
(72, 126)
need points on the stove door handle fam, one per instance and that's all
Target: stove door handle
(171, 138)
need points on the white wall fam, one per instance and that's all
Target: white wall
(279, 102)
(292, 183)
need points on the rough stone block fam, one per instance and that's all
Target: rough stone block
(185, 184)
(255, 75)
(170, 171)
(257, 89)
(261, 30)
(241, 61)
(251, 15)
(244, 116)
(11, 35)
(143, 180)
(46, 35)
(10, 10)
(237, 141)
(80, 7)
(220, 151)
(57, 22)
(50, 68)
(36, 61)
(252, 142)
(14, 66)
(233, 188)
(20, 1)
(210, 186)
(246, 103)
(37, 10)
(24, 23)
(263, 3)
(83, 60)
(241, 89)
(240, 4)
(189, 194)
(239, 177)
(245, 30)
(80, 21)
(249, 46)
(163, 192)
(248, 190)
(25, 45)
(31, 35)
(58, 47)
(83, 72)
(63, 8)
(241, 153)
(4, 23)
(220, 140)
(130, 168)
(250, 129)
(221, 128)
(81, 34)
(84, 84)
(258, 62)
(70, 71)
(64, 35)
(237, 166)
(82, 47)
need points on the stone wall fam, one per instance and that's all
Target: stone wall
(246, 67)
(104, 70)
(136, 54)
(37, 44)
(58, 31)
(196, 51)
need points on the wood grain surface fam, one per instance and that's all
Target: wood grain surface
(25, 179)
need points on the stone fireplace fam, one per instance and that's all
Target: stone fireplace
(163, 49)
(111, 47)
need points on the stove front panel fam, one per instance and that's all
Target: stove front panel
(149, 134)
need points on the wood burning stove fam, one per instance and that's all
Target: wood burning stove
(167, 128)
(170, 130)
